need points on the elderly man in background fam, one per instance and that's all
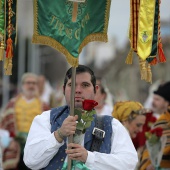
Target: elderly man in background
(17, 118)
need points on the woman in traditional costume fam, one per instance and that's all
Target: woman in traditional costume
(132, 115)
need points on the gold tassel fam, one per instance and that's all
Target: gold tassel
(2, 50)
(149, 74)
(143, 70)
(8, 66)
(129, 58)
(6, 63)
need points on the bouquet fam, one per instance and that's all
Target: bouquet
(155, 144)
(85, 117)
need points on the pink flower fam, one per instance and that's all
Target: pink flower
(89, 104)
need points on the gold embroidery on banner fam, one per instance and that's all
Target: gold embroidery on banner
(75, 9)
(144, 37)
(61, 28)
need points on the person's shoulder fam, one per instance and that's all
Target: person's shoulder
(107, 117)
(107, 110)
(117, 123)
(44, 115)
(61, 108)
(12, 101)
(163, 117)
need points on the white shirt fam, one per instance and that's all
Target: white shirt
(41, 146)
(106, 110)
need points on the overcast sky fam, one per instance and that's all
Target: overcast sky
(119, 18)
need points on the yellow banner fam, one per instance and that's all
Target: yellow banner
(145, 28)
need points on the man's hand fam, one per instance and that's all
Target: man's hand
(68, 128)
(77, 152)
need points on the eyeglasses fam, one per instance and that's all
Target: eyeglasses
(30, 83)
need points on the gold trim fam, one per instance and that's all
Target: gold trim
(93, 37)
(35, 15)
(5, 26)
(107, 14)
(45, 40)
(39, 39)
(16, 23)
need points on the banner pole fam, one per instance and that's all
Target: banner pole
(72, 97)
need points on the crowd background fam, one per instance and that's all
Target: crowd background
(121, 81)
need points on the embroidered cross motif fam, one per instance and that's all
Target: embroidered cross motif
(75, 9)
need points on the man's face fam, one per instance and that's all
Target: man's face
(159, 104)
(30, 87)
(83, 90)
(99, 97)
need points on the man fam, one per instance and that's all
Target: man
(160, 101)
(17, 118)
(161, 105)
(46, 144)
(102, 108)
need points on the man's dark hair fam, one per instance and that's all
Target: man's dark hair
(81, 69)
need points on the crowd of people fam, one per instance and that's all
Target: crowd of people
(35, 125)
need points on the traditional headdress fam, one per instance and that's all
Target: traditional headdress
(127, 110)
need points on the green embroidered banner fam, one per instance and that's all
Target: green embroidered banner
(68, 26)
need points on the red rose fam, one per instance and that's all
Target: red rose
(89, 104)
(157, 131)
(152, 119)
